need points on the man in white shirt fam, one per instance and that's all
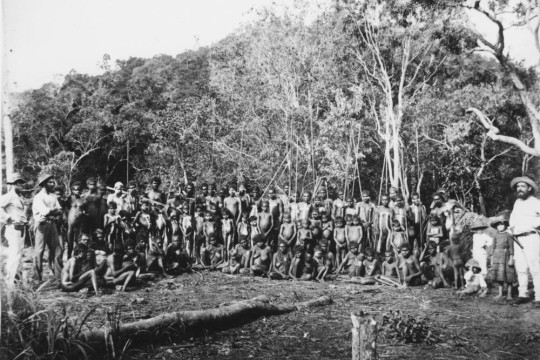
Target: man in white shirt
(46, 209)
(524, 224)
(13, 214)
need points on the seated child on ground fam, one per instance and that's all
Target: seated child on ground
(409, 266)
(320, 263)
(212, 255)
(474, 280)
(119, 273)
(353, 261)
(371, 265)
(280, 262)
(389, 266)
(177, 260)
(155, 256)
(76, 274)
(295, 270)
(134, 257)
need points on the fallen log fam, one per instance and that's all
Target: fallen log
(189, 322)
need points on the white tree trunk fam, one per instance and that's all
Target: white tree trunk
(8, 131)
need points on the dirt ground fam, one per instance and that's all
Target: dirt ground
(468, 328)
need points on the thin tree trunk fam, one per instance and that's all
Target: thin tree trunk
(8, 131)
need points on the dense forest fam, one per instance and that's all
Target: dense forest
(362, 96)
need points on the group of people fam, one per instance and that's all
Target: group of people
(121, 236)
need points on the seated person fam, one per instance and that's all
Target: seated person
(118, 272)
(79, 271)
(135, 257)
(155, 256)
(409, 267)
(475, 282)
(177, 260)
(212, 255)
(353, 261)
(280, 262)
(261, 258)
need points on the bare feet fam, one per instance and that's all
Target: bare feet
(498, 297)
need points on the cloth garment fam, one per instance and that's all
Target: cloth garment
(474, 280)
(12, 208)
(479, 250)
(47, 235)
(503, 248)
(525, 218)
(43, 204)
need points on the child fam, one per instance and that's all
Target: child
(409, 266)
(400, 214)
(295, 270)
(199, 234)
(233, 265)
(242, 255)
(186, 228)
(212, 255)
(384, 225)
(435, 232)
(354, 232)
(75, 276)
(265, 220)
(287, 232)
(280, 262)
(481, 241)
(371, 265)
(209, 227)
(134, 257)
(155, 256)
(227, 232)
(177, 261)
(309, 269)
(398, 238)
(243, 228)
(142, 220)
(261, 258)
(340, 240)
(418, 216)
(254, 229)
(118, 272)
(101, 251)
(112, 224)
(329, 258)
(502, 258)
(389, 267)
(353, 261)
(350, 210)
(320, 263)
(305, 236)
(327, 226)
(456, 259)
(476, 284)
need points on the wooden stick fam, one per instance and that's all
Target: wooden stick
(381, 281)
(390, 280)
(364, 337)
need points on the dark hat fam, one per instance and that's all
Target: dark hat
(524, 179)
(498, 220)
(478, 225)
(44, 177)
(14, 178)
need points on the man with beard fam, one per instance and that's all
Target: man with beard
(45, 209)
(213, 198)
(524, 224)
(437, 207)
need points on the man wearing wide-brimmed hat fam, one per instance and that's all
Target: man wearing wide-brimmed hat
(45, 209)
(12, 213)
(524, 225)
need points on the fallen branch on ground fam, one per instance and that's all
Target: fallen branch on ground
(189, 322)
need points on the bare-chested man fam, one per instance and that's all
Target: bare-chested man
(93, 206)
(233, 204)
(305, 207)
(276, 209)
(76, 214)
(338, 207)
(366, 211)
(155, 193)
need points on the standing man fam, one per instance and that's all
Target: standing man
(12, 212)
(45, 209)
(524, 224)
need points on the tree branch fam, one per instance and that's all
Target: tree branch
(493, 133)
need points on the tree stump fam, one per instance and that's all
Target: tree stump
(364, 337)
